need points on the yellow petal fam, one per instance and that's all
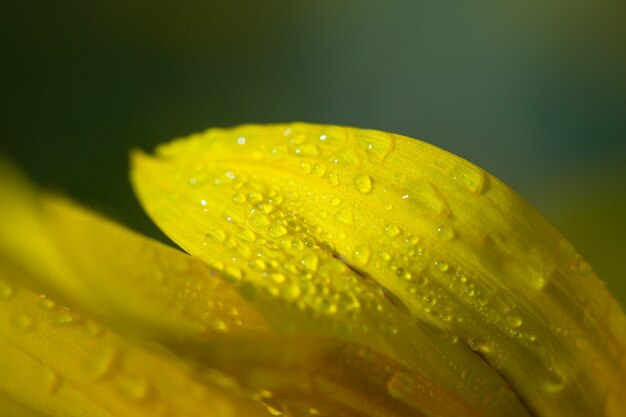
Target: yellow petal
(56, 362)
(157, 295)
(302, 212)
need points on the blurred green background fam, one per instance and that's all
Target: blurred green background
(534, 92)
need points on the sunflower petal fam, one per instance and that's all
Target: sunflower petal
(331, 220)
(55, 362)
(153, 294)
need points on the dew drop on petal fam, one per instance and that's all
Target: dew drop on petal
(469, 177)
(363, 183)
(362, 254)
(46, 303)
(277, 230)
(445, 233)
(514, 321)
(400, 385)
(392, 230)
(319, 170)
(310, 262)
(52, 380)
(239, 198)
(442, 266)
(306, 150)
(133, 387)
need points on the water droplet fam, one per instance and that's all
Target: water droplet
(310, 262)
(363, 183)
(246, 235)
(46, 303)
(258, 265)
(239, 198)
(292, 291)
(400, 385)
(255, 197)
(103, 365)
(52, 381)
(424, 197)
(133, 387)
(333, 179)
(306, 150)
(404, 274)
(392, 230)
(6, 290)
(470, 177)
(277, 230)
(241, 140)
(232, 273)
(94, 329)
(584, 268)
(445, 233)
(22, 323)
(421, 280)
(362, 254)
(215, 235)
(345, 215)
(305, 167)
(377, 145)
(555, 381)
(276, 277)
(385, 256)
(66, 317)
(442, 266)
(514, 321)
(319, 170)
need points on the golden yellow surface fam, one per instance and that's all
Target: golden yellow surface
(330, 271)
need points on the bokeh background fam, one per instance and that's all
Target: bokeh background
(533, 92)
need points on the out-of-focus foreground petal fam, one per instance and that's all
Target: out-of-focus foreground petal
(392, 244)
(56, 362)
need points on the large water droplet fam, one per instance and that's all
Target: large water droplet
(400, 385)
(469, 177)
(277, 230)
(363, 183)
(377, 145)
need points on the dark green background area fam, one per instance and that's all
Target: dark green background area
(534, 93)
